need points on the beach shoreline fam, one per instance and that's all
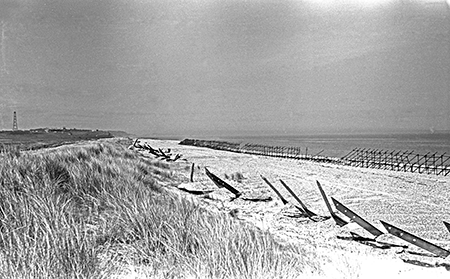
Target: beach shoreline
(418, 203)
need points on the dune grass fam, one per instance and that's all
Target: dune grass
(99, 211)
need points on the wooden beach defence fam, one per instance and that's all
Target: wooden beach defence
(356, 218)
(447, 225)
(220, 183)
(305, 209)
(415, 240)
(158, 153)
(350, 214)
(404, 235)
(339, 221)
(296, 153)
(353, 217)
(407, 161)
(275, 190)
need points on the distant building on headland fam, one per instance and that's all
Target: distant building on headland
(39, 130)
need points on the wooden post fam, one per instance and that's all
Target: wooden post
(434, 163)
(418, 163)
(318, 153)
(304, 208)
(434, 169)
(396, 161)
(384, 159)
(350, 158)
(378, 159)
(192, 173)
(275, 190)
(367, 158)
(401, 161)
(426, 161)
(220, 183)
(443, 167)
(348, 154)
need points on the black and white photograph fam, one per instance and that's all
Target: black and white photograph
(224, 139)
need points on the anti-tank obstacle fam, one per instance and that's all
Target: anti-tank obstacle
(373, 158)
(158, 153)
(415, 240)
(220, 183)
(406, 161)
(295, 153)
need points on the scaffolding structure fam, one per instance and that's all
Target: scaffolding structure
(407, 161)
(287, 152)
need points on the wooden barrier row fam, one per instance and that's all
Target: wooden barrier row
(287, 152)
(406, 161)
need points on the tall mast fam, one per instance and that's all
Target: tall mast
(15, 127)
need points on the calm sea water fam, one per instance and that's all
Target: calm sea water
(340, 145)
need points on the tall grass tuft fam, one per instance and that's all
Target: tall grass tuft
(94, 210)
(10, 150)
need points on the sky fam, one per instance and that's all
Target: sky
(226, 67)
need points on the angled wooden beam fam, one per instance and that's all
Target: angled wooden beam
(220, 183)
(415, 240)
(447, 225)
(339, 221)
(275, 190)
(307, 211)
(355, 217)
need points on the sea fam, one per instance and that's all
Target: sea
(340, 145)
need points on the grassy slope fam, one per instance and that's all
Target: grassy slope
(28, 140)
(91, 211)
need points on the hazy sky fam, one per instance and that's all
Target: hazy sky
(211, 67)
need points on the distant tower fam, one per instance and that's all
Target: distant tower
(15, 122)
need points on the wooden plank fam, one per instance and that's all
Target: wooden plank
(220, 183)
(275, 190)
(307, 211)
(339, 221)
(355, 217)
(447, 225)
(415, 240)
